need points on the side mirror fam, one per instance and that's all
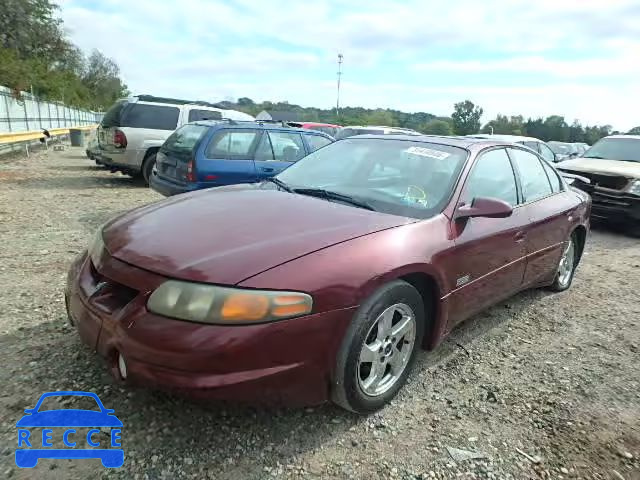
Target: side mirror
(484, 207)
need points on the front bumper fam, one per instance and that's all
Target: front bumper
(614, 205)
(288, 362)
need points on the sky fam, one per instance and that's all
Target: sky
(576, 58)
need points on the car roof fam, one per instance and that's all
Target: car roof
(634, 137)
(316, 124)
(257, 125)
(506, 138)
(461, 142)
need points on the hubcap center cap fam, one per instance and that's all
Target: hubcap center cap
(388, 350)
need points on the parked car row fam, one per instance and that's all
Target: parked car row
(179, 146)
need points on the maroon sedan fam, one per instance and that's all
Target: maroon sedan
(323, 282)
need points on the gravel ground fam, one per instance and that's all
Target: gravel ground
(542, 386)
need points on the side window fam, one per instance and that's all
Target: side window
(554, 178)
(264, 152)
(287, 146)
(154, 117)
(492, 176)
(195, 115)
(232, 144)
(316, 141)
(535, 184)
(547, 153)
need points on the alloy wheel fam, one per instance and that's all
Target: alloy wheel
(567, 262)
(387, 349)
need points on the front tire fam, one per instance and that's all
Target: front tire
(567, 266)
(379, 348)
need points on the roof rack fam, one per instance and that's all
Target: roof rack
(176, 101)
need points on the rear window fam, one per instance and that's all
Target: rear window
(112, 117)
(195, 115)
(155, 117)
(185, 138)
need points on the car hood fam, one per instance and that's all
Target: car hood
(226, 235)
(69, 418)
(597, 165)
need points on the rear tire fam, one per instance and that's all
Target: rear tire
(379, 348)
(147, 167)
(567, 266)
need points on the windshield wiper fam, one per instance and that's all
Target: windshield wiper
(329, 195)
(279, 183)
(594, 156)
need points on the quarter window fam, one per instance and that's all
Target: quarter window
(547, 153)
(195, 115)
(492, 176)
(287, 147)
(154, 117)
(316, 142)
(535, 184)
(232, 144)
(554, 178)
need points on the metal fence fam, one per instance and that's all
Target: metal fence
(29, 113)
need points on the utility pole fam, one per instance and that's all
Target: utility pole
(340, 57)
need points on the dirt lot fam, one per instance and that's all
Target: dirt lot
(545, 386)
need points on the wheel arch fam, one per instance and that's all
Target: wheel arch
(581, 235)
(429, 290)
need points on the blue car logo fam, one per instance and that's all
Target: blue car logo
(32, 447)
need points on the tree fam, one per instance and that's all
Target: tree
(436, 127)
(466, 118)
(505, 125)
(379, 117)
(634, 131)
(102, 77)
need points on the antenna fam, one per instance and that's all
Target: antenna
(340, 57)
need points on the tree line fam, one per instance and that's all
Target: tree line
(36, 56)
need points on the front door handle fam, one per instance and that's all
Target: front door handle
(267, 169)
(520, 236)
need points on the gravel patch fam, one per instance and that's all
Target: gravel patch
(541, 386)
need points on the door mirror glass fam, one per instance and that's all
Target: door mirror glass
(484, 207)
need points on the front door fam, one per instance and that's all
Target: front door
(488, 261)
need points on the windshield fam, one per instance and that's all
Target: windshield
(399, 177)
(627, 149)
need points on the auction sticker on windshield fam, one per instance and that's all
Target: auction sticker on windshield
(427, 152)
(69, 432)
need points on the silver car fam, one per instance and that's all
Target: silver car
(133, 130)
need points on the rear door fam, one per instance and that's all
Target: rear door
(277, 150)
(489, 260)
(549, 211)
(227, 158)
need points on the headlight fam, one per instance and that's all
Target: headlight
(203, 303)
(96, 246)
(635, 187)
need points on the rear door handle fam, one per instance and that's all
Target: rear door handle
(520, 236)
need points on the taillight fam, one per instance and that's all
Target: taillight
(191, 172)
(119, 139)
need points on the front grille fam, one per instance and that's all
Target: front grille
(109, 295)
(613, 182)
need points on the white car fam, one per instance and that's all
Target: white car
(133, 130)
(534, 144)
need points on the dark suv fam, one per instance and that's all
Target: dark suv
(213, 153)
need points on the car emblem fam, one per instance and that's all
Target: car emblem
(462, 280)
